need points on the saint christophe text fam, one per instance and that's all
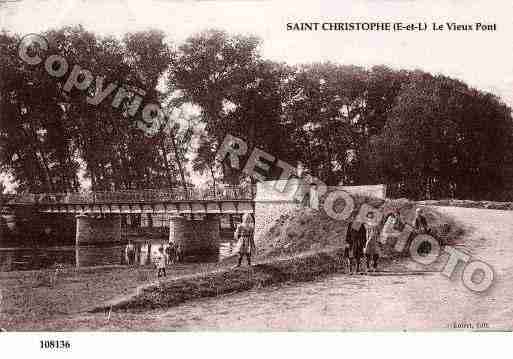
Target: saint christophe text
(389, 26)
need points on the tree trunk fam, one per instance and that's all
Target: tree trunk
(179, 164)
(213, 179)
(166, 162)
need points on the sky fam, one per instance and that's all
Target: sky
(481, 59)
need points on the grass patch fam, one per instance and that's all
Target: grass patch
(171, 293)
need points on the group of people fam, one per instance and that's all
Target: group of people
(362, 241)
(165, 256)
(169, 255)
(363, 238)
(243, 236)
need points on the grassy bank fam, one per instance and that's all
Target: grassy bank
(300, 246)
(32, 296)
(301, 268)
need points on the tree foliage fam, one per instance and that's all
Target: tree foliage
(424, 135)
(48, 133)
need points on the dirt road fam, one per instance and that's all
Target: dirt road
(394, 300)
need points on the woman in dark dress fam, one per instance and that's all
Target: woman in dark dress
(355, 239)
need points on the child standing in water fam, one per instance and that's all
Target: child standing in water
(160, 262)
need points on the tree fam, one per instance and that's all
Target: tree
(209, 70)
(326, 103)
(35, 145)
(46, 133)
(443, 139)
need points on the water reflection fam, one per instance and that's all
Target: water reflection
(30, 258)
(136, 253)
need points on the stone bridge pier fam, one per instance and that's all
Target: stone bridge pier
(97, 230)
(195, 237)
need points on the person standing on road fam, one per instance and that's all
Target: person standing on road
(355, 240)
(392, 228)
(421, 225)
(372, 249)
(244, 236)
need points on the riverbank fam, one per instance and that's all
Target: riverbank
(311, 251)
(301, 246)
(167, 293)
(31, 296)
(72, 308)
(391, 300)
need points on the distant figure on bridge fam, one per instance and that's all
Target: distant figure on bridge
(244, 236)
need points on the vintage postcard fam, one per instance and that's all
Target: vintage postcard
(255, 166)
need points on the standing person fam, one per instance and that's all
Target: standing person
(421, 225)
(171, 253)
(392, 227)
(148, 254)
(244, 235)
(355, 238)
(371, 249)
(160, 263)
(130, 253)
(178, 252)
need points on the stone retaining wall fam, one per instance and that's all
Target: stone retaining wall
(276, 198)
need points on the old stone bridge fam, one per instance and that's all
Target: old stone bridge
(194, 214)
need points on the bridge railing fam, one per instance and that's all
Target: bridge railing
(138, 196)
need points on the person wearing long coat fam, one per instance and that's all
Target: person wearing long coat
(244, 236)
(355, 239)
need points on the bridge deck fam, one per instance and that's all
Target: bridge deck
(136, 196)
(232, 199)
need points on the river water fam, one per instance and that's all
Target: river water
(23, 258)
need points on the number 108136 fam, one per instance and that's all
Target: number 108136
(55, 344)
